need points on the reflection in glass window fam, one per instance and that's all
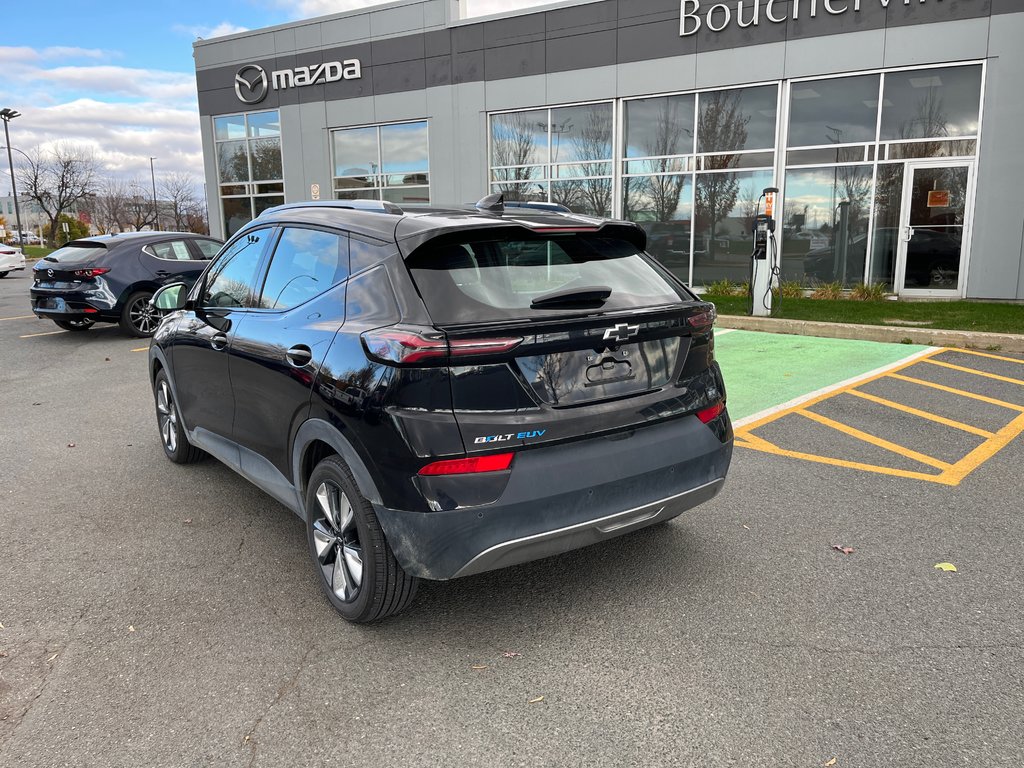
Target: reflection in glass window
(737, 119)
(561, 155)
(725, 205)
(888, 201)
(382, 162)
(248, 151)
(841, 110)
(659, 127)
(306, 263)
(230, 282)
(825, 224)
(663, 206)
(931, 103)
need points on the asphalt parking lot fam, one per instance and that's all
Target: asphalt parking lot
(161, 615)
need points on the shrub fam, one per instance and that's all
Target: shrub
(868, 292)
(719, 288)
(791, 289)
(828, 291)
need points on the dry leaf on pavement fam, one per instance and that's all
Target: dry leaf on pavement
(512, 654)
(830, 762)
(844, 550)
(946, 567)
(538, 700)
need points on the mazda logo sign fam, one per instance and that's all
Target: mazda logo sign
(251, 84)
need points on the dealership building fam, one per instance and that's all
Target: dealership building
(891, 128)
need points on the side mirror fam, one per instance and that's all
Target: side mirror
(171, 297)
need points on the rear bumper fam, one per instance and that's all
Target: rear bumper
(95, 303)
(564, 497)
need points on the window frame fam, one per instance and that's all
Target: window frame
(268, 260)
(377, 187)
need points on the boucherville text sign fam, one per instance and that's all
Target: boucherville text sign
(693, 14)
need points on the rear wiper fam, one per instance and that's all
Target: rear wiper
(591, 294)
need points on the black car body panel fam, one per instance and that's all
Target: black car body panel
(271, 386)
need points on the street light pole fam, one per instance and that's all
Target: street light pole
(7, 114)
(152, 178)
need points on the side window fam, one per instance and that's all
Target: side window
(231, 280)
(208, 248)
(174, 250)
(306, 263)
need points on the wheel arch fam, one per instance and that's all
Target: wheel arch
(315, 440)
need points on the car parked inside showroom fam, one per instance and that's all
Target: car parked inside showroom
(11, 259)
(111, 278)
(444, 391)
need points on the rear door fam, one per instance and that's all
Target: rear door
(600, 337)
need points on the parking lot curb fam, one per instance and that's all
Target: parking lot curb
(1004, 342)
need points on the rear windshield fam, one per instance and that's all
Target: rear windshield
(76, 253)
(481, 280)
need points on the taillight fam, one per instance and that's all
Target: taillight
(405, 346)
(703, 320)
(91, 272)
(712, 413)
(492, 463)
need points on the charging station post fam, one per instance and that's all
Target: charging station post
(763, 259)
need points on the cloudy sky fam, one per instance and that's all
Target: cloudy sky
(118, 76)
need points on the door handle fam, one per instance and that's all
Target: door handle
(218, 341)
(908, 233)
(299, 356)
(162, 273)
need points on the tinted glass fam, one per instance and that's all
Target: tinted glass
(229, 127)
(520, 138)
(266, 159)
(841, 110)
(931, 103)
(175, 250)
(77, 254)
(484, 280)
(232, 161)
(263, 124)
(306, 263)
(592, 197)
(230, 281)
(725, 205)
(208, 247)
(403, 149)
(662, 205)
(661, 126)
(736, 119)
(237, 213)
(355, 152)
(581, 133)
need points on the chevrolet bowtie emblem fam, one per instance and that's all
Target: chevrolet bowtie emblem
(621, 332)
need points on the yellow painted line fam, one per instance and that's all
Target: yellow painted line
(961, 392)
(765, 447)
(988, 355)
(838, 389)
(986, 374)
(986, 450)
(47, 333)
(922, 414)
(141, 349)
(19, 317)
(876, 441)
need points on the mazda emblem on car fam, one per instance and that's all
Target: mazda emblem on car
(621, 332)
(251, 88)
(49, 273)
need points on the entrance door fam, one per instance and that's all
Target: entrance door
(934, 228)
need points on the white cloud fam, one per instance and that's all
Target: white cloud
(206, 32)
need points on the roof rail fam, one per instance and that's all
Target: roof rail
(375, 206)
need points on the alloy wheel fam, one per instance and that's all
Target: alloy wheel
(168, 417)
(144, 316)
(336, 539)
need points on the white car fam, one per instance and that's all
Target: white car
(11, 259)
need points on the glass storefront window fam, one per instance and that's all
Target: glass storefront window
(888, 201)
(825, 224)
(724, 208)
(663, 206)
(382, 162)
(841, 110)
(931, 103)
(659, 127)
(249, 166)
(737, 119)
(519, 138)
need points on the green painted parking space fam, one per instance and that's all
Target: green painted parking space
(766, 370)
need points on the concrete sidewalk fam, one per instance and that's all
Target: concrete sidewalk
(1004, 342)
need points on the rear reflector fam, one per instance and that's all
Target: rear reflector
(90, 311)
(709, 414)
(493, 463)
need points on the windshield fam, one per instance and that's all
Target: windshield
(76, 253)
(481, 280)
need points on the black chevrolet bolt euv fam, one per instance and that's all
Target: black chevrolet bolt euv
(111, 278)
(440, 392)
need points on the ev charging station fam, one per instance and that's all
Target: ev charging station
(764, 260)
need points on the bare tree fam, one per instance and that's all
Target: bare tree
(179, 191)
(58, 180)
(110, 206)
(722, 127)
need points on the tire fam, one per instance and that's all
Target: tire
(172, 434)
(3, 275)
(139, 317)
(81, 324)
(352, 559)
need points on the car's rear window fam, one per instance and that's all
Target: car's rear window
(76, 253)
(497, 279)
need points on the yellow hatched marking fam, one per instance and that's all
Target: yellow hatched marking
(922, 414)
(141, 349)
(985, 451)
(877, 441)
(19, 317)
(986, 374)
(47, 333)
(961, 392)
(988, 355)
